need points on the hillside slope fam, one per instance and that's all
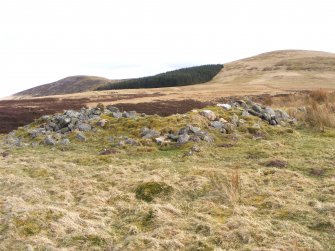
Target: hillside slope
(269, 73)
(280, 70)
(67, 85)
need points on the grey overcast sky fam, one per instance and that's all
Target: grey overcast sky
(42, 41)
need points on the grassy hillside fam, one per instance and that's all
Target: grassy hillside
(181, 77)
(273, 73)
(67, 85)
(259, 187)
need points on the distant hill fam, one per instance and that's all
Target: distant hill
(181, 77)
(268, 73)
(73, 84)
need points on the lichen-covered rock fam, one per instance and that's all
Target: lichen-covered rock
(281, 115)
(49, 141)
(84, 127)
(130, 141)
(225, 106)
(235, 120)
(210, 115)
(12, 140)
(117, 115)
(161, 140)
(130, 115)
(257, 108)
(102, 123)
(37, 132)
(245, 113)
(229, 127)
(65, 142)
(81, 137)
(147, 133)
(112, 108)
(183, 138)
(194, 129)
(217, 124)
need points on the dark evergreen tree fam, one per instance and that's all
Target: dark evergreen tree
(185, 76)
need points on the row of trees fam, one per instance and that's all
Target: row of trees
(185, 76)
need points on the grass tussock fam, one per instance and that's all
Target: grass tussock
(316, 108)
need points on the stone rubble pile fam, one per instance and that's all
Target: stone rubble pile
(55, 128)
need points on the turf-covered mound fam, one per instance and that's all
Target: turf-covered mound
(185, 76)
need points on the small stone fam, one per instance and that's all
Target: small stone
(65, 142)
(242, 103)
(107, 152)
(96, 111)
(224, 106)
(81, 137)
(194, 129)
(184, 130)
(102, 123)
(208, 139)
(130, 115)
(229, 127)
(133, 230)
(210, 115)
(234, 120)
(281, 115)
(64, 121)
(222, 130)
(187, 154)
(72, 114)
(195, 138)
(149, 133)
(94, 117)
(256, 126)
(49, 141)
(196, 149)
(257, 108)
(37, 132)
(64, 130)
(173, 136)
(52, 125)
(130, 141)
(245, 113)
(117, 115)
(112, 108)
(217, 124)
(160, 140)
(270, 111)
(84, 127)
(13, 141)
(273, 122)
(184, 138)
(45, 118)
(283, 123)
(241, 121)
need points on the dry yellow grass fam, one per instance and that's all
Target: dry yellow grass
(316, 108)
(221, 199)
